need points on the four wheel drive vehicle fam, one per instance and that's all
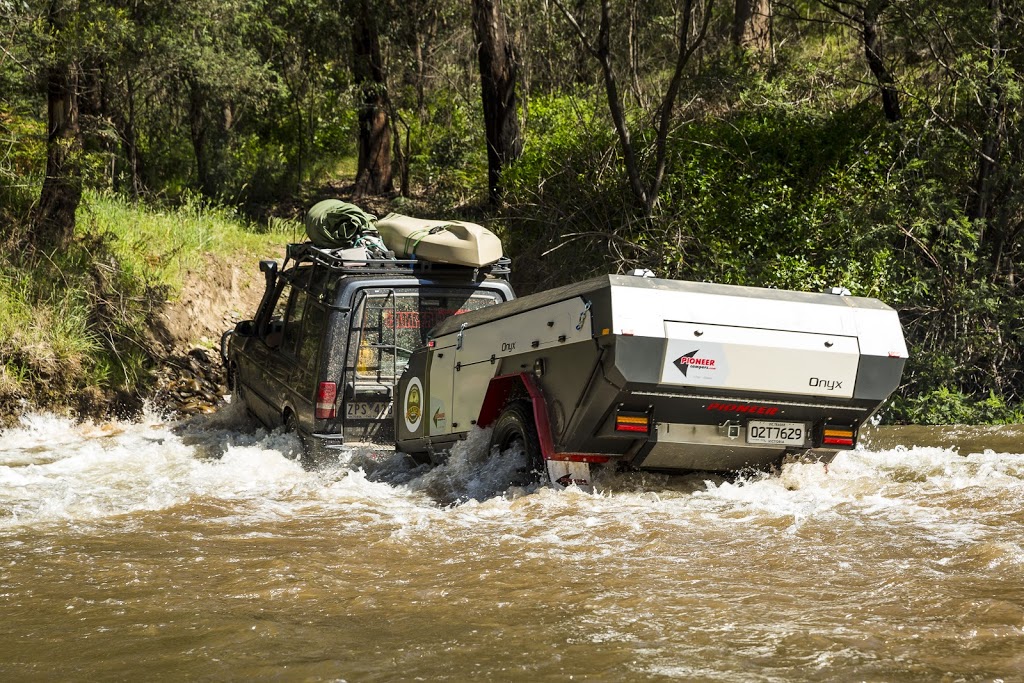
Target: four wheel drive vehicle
(654, 375)
(335, 330)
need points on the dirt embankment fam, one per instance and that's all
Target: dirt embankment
(212, 300)
(182, 372)
(187, 332)
(182, 344)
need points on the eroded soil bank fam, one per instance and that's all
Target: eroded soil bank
(183, 374)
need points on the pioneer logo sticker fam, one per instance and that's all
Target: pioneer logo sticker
(413, 403)
(436, 416)
(691, 359)
(706, 365)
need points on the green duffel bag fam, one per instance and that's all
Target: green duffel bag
(334, 224)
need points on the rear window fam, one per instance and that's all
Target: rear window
(391, 324)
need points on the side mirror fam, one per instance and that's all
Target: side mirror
(245, 328)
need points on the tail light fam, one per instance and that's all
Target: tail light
(632, 422)
(326, 394)
(837, 436)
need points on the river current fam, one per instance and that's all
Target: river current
(201, 550)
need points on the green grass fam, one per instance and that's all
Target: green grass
(79, 317)
(161, 245)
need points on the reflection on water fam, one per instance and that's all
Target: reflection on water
(963, 439)
(203, 550)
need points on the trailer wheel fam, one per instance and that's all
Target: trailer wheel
(515, 427)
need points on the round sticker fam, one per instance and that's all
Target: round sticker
(413, 404)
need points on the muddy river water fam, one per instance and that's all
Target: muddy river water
(201, 551)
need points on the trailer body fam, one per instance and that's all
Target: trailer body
(658, 374)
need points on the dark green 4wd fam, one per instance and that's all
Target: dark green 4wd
(333, 333)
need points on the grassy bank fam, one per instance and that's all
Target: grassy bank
(77, 325)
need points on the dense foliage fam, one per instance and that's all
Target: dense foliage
(872, 144)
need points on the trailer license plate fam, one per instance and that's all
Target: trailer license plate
(777, 433)
(370, 410)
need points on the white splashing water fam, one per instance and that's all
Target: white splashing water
(55, 470)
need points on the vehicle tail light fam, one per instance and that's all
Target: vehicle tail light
(837, 436)
(326, 394)
(632, 422)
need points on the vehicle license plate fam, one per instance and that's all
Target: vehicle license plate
(371, 410)
(777, 433)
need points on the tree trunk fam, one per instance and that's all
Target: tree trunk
(373, 175)
(752, 25)
(200, 138)
(300, 126)
(498, 77)
(991, 137)
(401, 158)
(582, 75)
(875, 53)
(421, 44)
(603, 54)
(129, 139)
(645, 191)
(54, 220)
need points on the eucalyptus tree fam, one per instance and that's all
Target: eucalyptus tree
(752, 25)
(305, 45)
(498, 80)
(414, 40)
(220, 80)
(374, 172)
(54, 217)
(690, 22)
(958, 67)
(868, 18)
(66, 45)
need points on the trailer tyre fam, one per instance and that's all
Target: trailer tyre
(515, 428)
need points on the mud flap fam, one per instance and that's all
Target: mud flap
(564, 474)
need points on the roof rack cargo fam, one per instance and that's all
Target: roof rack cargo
(342, 261)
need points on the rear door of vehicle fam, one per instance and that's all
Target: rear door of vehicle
(387, 324)
(305, 321)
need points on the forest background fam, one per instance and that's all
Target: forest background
(870, 144)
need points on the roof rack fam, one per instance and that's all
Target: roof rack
(337, 260)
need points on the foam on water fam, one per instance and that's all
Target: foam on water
(55, 470)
